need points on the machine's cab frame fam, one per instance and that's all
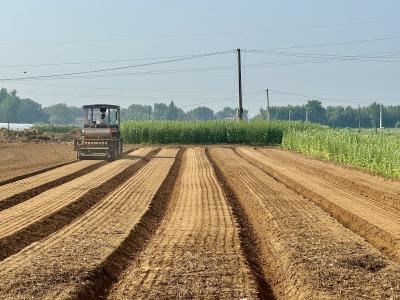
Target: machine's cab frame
(100, 137)
(111, 113)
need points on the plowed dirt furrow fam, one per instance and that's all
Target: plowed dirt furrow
(62, 265)
(195, 253)
(375, 221)
(21, 190)
(39, 216)
(127, 149)
(18, 159)
(375, 187)
(305, 252)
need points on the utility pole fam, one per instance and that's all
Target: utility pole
(149, 112)
(306, 114)
(289, 114)
(240, 111)
(359, 118)
(268, 112)
(380, 116)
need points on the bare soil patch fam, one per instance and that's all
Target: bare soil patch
(21, 158)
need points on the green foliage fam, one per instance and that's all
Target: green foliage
(209, 132)
(335, 116)
(63, 114)
(136, 112)
(201, 113)
(230, 113)
(377, 152)
(54, 128)
(13, 109)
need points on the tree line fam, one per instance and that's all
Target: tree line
(162, 111)
(336, 116)
(20, 110)
(14, 109)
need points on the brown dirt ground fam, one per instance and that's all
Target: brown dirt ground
(59, 266)
(196, 251)
(41, 215)
(377, 222)
(306, 253)
(20, 158)
(379, 188)
(210, 225)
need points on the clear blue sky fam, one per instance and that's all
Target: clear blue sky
(53, 32)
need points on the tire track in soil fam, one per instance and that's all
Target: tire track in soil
(38, 217)
(378, 223)
(24, 187)
(127, 149)
(87, 253)
(195, 253)
(246, 233)
(23, 176)
(17, 159)
(19, 191)
(372, 186)
(305, 253)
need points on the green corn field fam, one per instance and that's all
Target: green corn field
(376, 152)
(208, 132)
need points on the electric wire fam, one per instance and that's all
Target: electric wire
(117, 68)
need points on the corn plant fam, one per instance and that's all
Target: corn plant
(376, 152)
(209, 132)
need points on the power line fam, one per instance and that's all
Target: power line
(316, 98)
(185, 70)
(129, 90)
(91, 61)
(363, 57)
(268, 51)
(116, 68)
(128, 97)
(335, 43)
(204, 34)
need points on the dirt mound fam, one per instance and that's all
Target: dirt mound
(33, 135)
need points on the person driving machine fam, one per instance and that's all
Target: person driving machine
(102, 120)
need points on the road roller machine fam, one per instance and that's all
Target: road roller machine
(100, 137)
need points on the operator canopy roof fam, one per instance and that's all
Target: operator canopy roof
(107, 106)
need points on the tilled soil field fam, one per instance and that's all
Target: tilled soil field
(200, 222)
(18, 159)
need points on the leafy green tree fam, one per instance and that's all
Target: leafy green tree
(3, 94)
(201, 113)
(62, 114)
(172, 113)
(230, 113)
(373, 111)
(160, 111)
(181, 114)
(136, 112)
(9, 109)
(226, 113)
(30, 111)
(316, 112)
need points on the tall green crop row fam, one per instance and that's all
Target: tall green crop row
(379, 153)
(209, 132)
